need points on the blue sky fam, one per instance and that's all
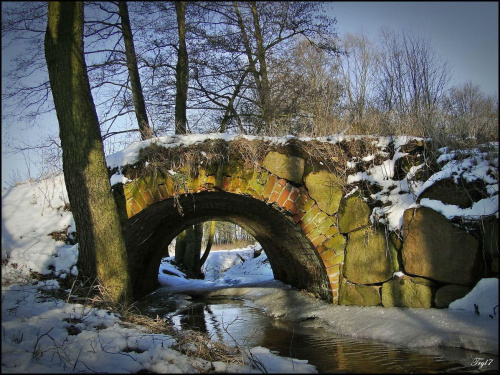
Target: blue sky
(464, 34)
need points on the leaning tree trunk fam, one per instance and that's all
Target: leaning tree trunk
(211, 235)
(133, 72)
(102, 252)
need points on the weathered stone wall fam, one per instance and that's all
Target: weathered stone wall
(352, 262)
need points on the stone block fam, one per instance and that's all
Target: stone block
(326, 189)
(402, 292)
(449, 293)
(367, 261)
(359, 295)
(490, 239)
(353, 214)
(448, 192)
(435, 249)
(393, 253)
(290, 168)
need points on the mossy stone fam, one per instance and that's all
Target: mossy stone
(290, 168)
(359, 295)
(423, 281)
(354, 213)
(326, 189)
(367, 261)
(394, 257)
(405, 293)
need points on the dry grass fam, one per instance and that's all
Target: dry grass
(211, 154)
(193, 344)
(199, 345)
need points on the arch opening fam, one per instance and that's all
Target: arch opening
(218, 245)
(293, 258)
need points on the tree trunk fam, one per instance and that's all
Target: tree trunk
(265, 91)
(230, 111)
(181, 70)
(180, 247)
(133, 71)
(260, 75)
(210, 242)
(188, 250)
(102, 252)
(193, 250)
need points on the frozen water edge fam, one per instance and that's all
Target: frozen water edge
(403, 327)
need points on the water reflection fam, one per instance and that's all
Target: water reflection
(239, 323)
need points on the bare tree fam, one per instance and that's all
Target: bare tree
(305, 89)
(471, 113)
(411, 79)
(358, 70)
(246, 36)
(26, 94)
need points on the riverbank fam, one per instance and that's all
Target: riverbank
(456, 327)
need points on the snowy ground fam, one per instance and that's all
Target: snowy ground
(41, 334)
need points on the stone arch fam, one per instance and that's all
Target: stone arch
(293, 258)
(305, 187)
(307, 199)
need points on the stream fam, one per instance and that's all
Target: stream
(239, 322)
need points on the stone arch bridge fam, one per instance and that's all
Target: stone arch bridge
(291, 196)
